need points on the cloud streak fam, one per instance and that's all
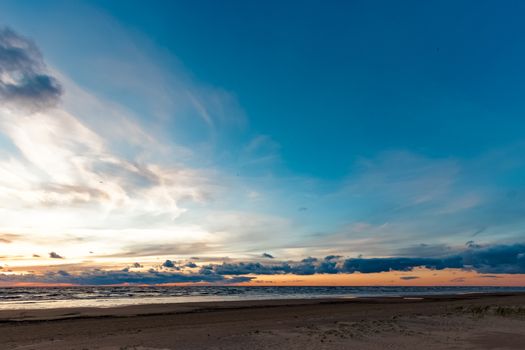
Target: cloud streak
(68, 174)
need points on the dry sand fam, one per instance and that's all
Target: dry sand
(460, 322)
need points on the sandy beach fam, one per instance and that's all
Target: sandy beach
(445, 322)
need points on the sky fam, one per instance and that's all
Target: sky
(262, 143)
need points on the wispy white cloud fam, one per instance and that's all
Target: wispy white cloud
(399, 199)
(90, 167)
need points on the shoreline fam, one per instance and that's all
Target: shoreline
(469, 321)
(174, 308)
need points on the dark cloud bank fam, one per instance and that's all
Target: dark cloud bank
(100, 277)
(24, 81)
(497, 259)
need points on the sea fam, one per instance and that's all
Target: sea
(62, 297)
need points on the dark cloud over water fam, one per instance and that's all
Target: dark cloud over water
(491, 259)
(99, 277)
(496, 259)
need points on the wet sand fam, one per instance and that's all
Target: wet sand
(494, 321)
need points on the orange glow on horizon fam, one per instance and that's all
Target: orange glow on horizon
(417, 277)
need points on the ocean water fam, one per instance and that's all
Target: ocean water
(54, 297)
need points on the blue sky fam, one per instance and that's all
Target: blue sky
(428, 77)
(359, 128)
(358, 77)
